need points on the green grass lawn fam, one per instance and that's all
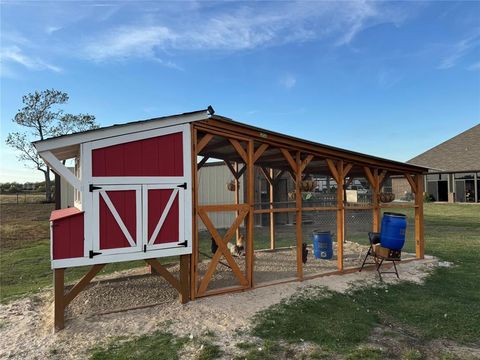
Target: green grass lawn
(447, 306)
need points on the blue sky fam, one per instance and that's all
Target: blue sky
(390, 79)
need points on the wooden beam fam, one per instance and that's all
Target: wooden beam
(261, 149)
(195, 237)
(82, 283)
(165, 274)
(347, 169)
(411, 182)
(184, 278)
(221, 250)
(266, 173)
(202, 143)
(289, 158)
(370, 177)
(278, 176)
(202, 162)
(250, 219)
(340, 214)
(376, 196)
(333, 170)
(381, 179)
(242, 171)
(59, 289)
(231, 168)
(237, 199)
(240, 150)
(272, 219)
(305, 162)
(223, 207)
(419, 227)
(61, 169)
(298, 198)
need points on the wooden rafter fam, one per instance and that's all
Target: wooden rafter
(203, 142)
(202, 162)
(82, 283)
(411, 182)
(347, 169)
(261, 149)
(165, 274)
(278, 176)
(333, 170)
(221, 250)
(240, 150)
(266, 173)
(290, 160)
(370, 177)
(305, 162)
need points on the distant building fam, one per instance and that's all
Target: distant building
(454, 168)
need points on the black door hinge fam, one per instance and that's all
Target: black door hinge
(92, 187)
(185, 243)
(92, 253)
(184, 185)
(144, 248)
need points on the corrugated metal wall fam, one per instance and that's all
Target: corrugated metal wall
(212, 189)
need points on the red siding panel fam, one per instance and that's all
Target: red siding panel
(67, 236)
(157, 200)
(111, 235)
(158, 156)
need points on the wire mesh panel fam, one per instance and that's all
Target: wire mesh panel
(278, 264)
(319, 221)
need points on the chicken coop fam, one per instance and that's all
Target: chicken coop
(139, 195)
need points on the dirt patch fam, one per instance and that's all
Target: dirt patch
(22, 224)
(32, 318)
(396, 341)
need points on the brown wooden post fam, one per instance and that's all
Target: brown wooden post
(272, 219)
(195, 239)
(251, 202)
(184, 277)
(376, 205)
(340, 214)
(419, 235)
(59, 289)
(298, 198)
(237, 198)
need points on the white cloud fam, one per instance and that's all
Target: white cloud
(51, 29)
(240, 27)
(13, 54)
(475, 66)
(459, 50)
(288, 81)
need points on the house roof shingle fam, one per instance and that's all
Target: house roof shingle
(458, 154)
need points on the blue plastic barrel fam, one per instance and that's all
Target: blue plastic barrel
(392, 234)
(322, 244)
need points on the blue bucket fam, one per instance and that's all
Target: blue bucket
(322, 244)
(392, 234)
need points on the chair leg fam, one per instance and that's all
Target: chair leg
(396, 271)
(378, 269)
(365, 260)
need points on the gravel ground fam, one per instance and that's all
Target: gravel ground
(26, 324)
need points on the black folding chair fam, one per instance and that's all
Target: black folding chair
(393, 256)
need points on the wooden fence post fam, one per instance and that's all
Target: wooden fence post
(419, 235)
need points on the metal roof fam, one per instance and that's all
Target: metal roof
(68, 145)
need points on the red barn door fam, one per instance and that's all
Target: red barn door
(117, 219)
(164, 216)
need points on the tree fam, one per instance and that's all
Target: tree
(43, 119)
